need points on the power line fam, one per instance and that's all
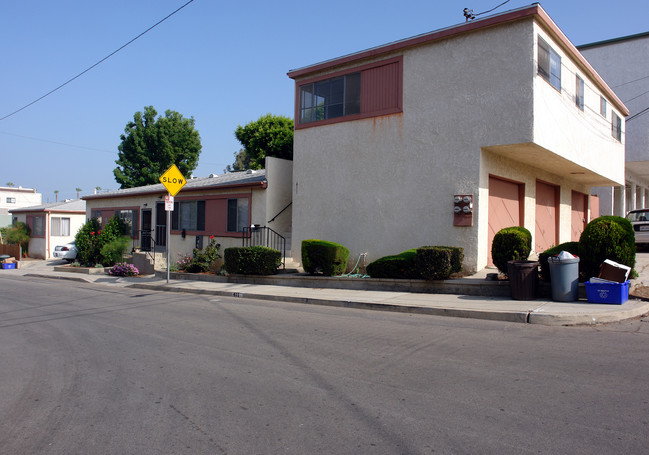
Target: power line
(644, 111)
(100, 61)
(630, 82)
(58, 143)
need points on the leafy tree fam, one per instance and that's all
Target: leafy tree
(150, 145)
(270, 135)
(241, 162)
(91, 240)
(17, 234)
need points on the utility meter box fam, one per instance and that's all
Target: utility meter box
(199, 242)
(463, 210)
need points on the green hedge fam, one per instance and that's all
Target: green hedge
(606, 237)
(252, 260)
(400, 266)
(321, 256)
(510, 244)
(438, 262)
(570, 247)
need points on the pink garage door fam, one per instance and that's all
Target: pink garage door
(504, 207)
(547, 216)
(594, 207)
(579, 213)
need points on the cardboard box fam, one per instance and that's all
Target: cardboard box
(9, 261)
(612, 271)
(609, 293)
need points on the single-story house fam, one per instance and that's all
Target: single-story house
(624, 64)
(221, 206)
(51, 224)
(447, 137)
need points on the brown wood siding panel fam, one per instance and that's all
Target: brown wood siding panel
(547, 203)
(381, 89)
(504, 208)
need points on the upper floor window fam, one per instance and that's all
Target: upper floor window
(616, 127)
(331, 98)
(602, 106)
(579, 92)
(60, 226)
(549, 64)
(365, 91)
(237, 214)
(11, 200)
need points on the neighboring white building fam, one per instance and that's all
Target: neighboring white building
(624, 64)
(218, 205)
(51, 224)
(14, 198)
(503, 111)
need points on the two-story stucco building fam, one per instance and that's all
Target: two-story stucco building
(498, 117)
(12, 198)
(624, 64)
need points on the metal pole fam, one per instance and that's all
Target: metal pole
(168, 240)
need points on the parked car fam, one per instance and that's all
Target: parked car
(639, 219)
(67, 252)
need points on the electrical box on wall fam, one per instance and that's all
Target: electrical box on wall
(463, 210)
(199, 242)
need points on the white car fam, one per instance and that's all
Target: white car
(67, 252)
(640, 221)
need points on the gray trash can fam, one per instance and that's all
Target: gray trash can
(564, 277)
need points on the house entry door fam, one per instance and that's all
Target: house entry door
(145, 242)
(505, 208)
(160, 225)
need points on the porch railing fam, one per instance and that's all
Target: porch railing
(265, 236)
(146, 244)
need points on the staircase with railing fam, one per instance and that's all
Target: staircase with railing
(265, 236)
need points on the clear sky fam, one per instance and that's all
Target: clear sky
(223, 63)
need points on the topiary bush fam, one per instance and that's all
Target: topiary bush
(252, 260)
(113, 252)
(606, 237)
(321, 256)
(438, 262)
(570, 247)
(400, 266)
(510, 244)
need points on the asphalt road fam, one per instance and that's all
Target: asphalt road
(92, 369)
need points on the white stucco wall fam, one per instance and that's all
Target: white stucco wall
(279, 173)
(25, 197)
(386, 184)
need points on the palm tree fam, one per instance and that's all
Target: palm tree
(97, 189)
(56, 193)
(79, 190)
(10, 184)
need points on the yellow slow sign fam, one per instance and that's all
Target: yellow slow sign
(173, 180)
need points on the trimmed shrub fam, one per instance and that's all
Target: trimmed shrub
(91, 238)
(606, 237)
(438, 262)
(570, 247)
(511, 244)
(203, 260)
(321, 256)
(252, 260)
(400, 266)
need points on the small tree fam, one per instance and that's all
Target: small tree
(270, 135)
(17, 234)
(91, 239)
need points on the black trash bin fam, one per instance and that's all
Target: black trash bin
(523, 279)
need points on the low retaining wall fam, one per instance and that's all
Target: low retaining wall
(460, 286)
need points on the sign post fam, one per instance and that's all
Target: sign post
(173, 180)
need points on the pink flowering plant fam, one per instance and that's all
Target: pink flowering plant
(123, 269)
(201, 260)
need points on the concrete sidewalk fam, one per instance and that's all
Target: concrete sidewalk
(538, 311)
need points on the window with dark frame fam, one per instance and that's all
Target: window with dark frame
(330, 98)
(237, 216)
(549, 64)
(579, 92)
(130, 219)
(616, 127)
(11, 200)
(188, 215)
(38, 226)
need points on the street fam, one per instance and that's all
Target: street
(97, 369)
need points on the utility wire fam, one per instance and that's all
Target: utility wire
(644, 111)
(630, 82)
(485, 12)
(100, 61)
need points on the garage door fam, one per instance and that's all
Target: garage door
(547, 215)
(578, 215)
(505, 209)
